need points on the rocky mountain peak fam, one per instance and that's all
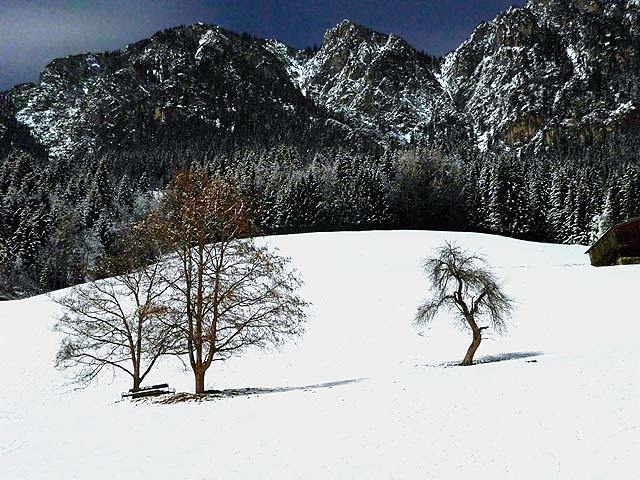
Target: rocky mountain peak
(571, 9)
(552, 69)
(180, 83)
(352, 33)
(349, 35)
(585, 6)
(378, 80)
(555, 69)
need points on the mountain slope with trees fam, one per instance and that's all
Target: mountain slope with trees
(528, 129)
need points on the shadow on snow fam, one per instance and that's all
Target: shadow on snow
(501, 357)
(242, 392)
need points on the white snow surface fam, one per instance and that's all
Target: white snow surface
(572, 414)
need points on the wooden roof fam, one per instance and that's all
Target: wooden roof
(610, 230)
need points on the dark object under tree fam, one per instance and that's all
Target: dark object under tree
(121, 322)
(150, 391)
(464, 283)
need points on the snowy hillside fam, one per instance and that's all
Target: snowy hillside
(562, 404)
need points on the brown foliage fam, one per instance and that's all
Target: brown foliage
(228, 293)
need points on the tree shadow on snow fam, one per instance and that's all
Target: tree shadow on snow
(501, 357)
(243, 392)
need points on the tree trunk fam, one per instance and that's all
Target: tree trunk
(199, 377)
(468, 358)
(136, 383)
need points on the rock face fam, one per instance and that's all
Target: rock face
(184, 84)
(554, 71)
(13, 135)
(379, 81)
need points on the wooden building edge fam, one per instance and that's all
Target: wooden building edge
(620, 245)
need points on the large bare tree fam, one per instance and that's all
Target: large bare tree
(463, 282)
(228, 292)
(121, 322)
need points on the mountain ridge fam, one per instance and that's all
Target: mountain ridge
(514, 83)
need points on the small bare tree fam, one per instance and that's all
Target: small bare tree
(228, 293)
(120, 322)
(464, 283)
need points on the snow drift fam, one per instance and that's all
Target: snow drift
(368, 395)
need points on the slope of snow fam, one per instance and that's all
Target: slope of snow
(405, 413)
(291, 59)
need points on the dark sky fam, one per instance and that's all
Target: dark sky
(33, 32)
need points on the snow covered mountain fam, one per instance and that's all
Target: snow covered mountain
(174, 87)
(530, 128)
(362, 394)
(554, 71)
(379, 81)
(189, 82)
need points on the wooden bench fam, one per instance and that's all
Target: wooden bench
(150, 391)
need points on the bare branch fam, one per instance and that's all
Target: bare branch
(464, 282)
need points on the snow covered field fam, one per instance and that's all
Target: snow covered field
(571, 414)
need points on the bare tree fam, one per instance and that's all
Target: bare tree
(464, 283)
(120, 322)
(228, 292)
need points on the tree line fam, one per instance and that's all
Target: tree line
(58, 217)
